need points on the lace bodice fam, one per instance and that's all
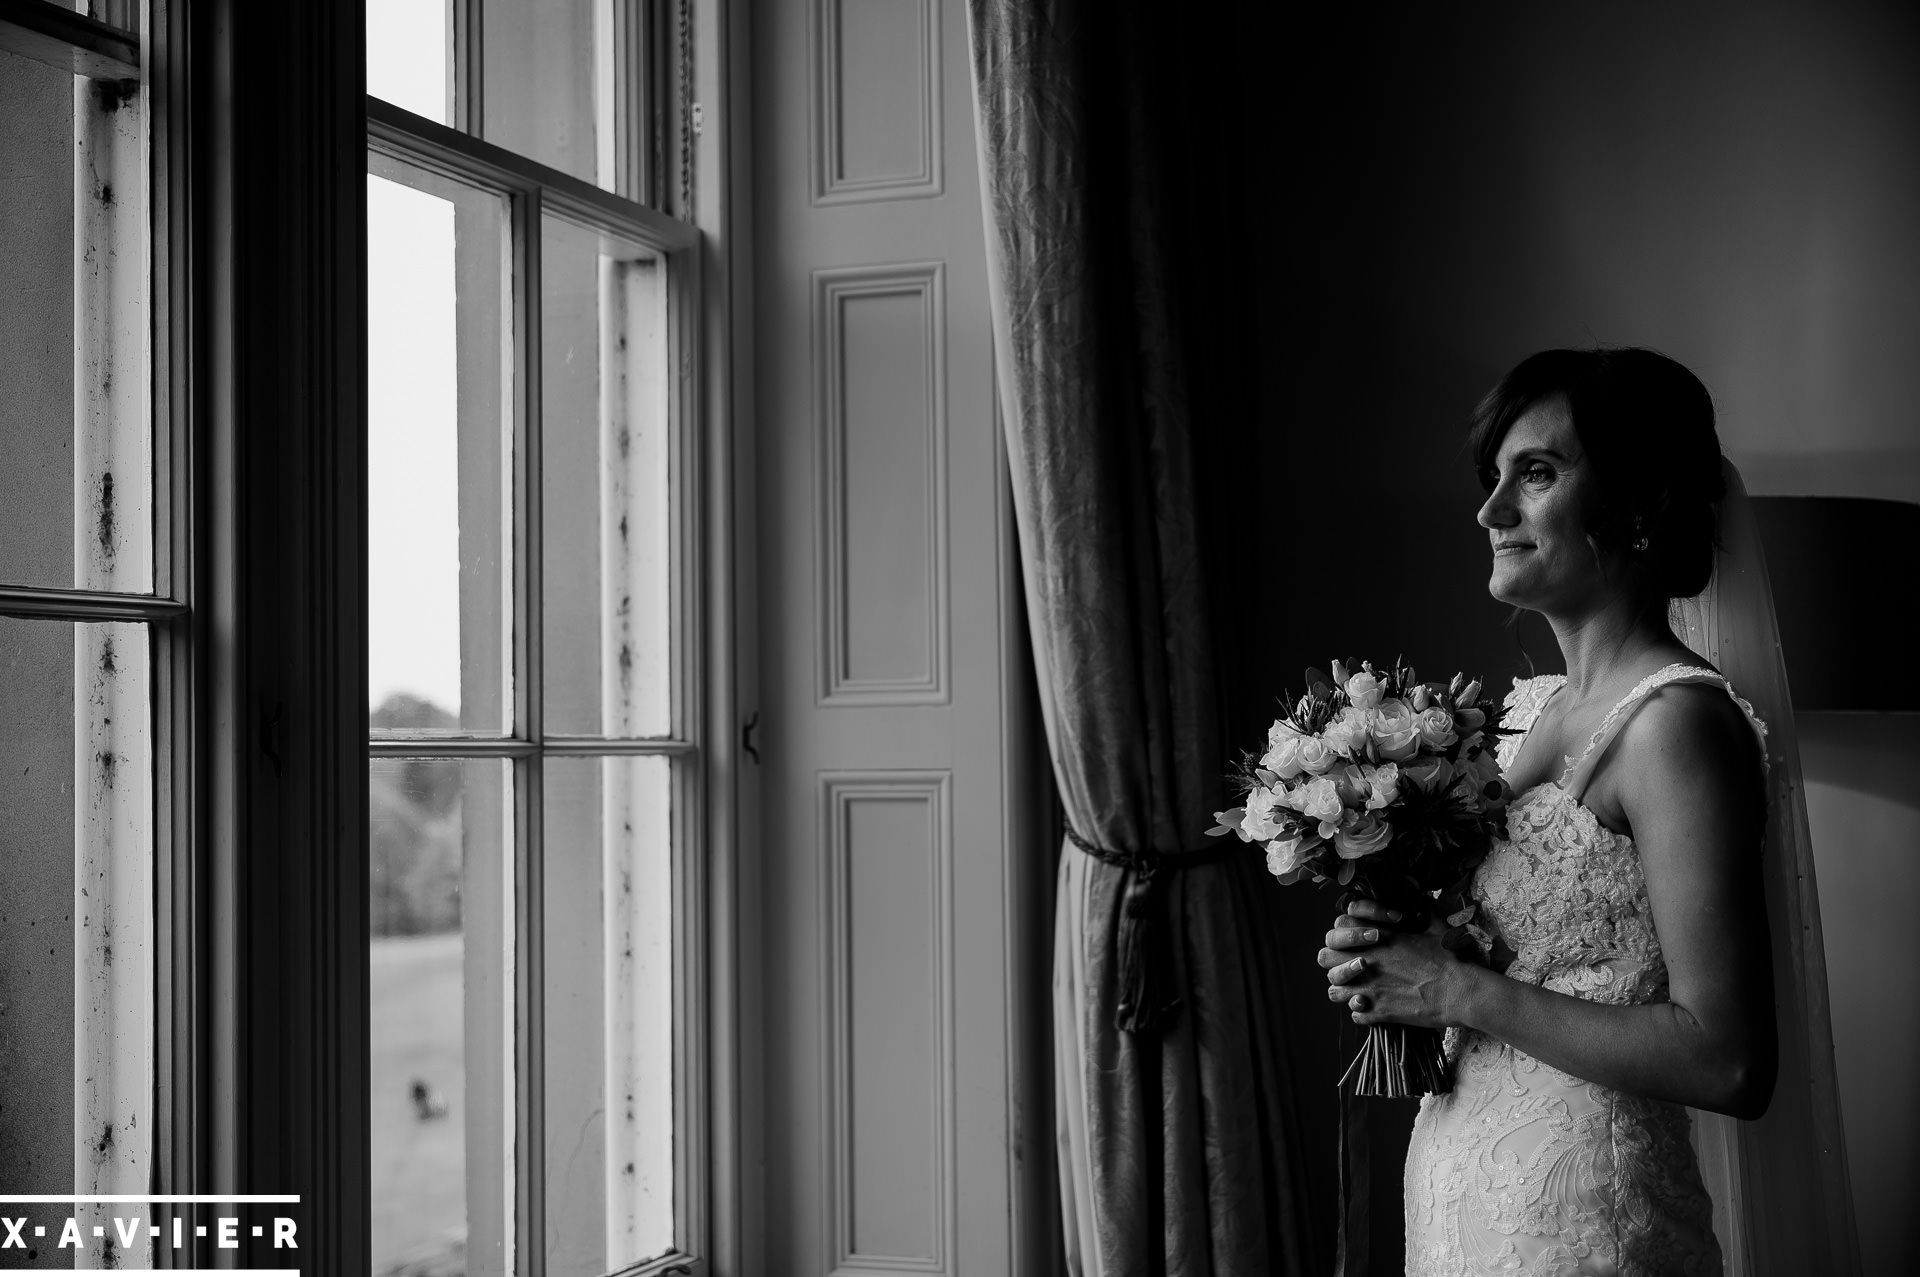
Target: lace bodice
(1525, 1169)
(1565, 893)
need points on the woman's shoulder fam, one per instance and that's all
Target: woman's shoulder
(1691, 718)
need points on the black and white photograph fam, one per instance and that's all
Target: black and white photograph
(959, 638)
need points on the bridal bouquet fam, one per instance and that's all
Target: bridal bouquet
(1389, 787)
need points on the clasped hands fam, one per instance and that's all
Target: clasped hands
(1387, 974)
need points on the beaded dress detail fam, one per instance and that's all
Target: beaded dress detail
(1524, 1170)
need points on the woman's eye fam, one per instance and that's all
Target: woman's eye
(1537, 474)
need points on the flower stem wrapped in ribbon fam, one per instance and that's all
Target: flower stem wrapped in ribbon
(1388, 787)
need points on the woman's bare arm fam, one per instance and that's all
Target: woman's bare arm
(1686, 777)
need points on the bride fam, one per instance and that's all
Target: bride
(1631, 974)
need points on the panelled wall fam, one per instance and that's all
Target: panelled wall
(891, 658)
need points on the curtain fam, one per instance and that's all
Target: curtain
(1178, 1142)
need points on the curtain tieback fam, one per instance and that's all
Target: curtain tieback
(1148, 1001)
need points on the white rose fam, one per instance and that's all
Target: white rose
(1281, 730)
(1319, 800)
(1383, 785)
(1364, 690)
(1283, 756)
(1395, 733)
(1362, 835)
(1436, 727)
(1259, 822)
(1316, 756)
(1347, 735)
(1287, 855)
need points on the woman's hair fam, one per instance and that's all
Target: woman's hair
(1646, 424)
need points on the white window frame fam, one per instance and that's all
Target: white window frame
(130, 1025)
(257, 610)
(531, 191)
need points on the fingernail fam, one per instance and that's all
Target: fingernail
(1393, 915)
(1369, 935)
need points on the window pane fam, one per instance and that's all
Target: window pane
(408, 62)
(606, 452)
(124, 14)
(545, 86)
(76, 917)
(438, 455)
(76, 489)
(440, 916)
(609, 1013)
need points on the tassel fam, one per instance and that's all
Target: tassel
(1147, 1002)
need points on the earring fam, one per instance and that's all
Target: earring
(1640, 545)
(1639, 535)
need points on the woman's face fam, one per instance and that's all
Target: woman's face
(1537, 516)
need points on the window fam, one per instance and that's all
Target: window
(94, 617)
(536, 773)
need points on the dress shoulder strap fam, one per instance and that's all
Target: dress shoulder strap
(1579, 771)
(1528, 697)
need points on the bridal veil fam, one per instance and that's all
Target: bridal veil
(1783, 1204)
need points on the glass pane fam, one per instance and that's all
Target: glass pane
(438, 455)
(545, 87)
(76, 921)
(441, 1014)
(76, 489)
(124, 14)
(409, 48)
(609, 1013)
(605, 463)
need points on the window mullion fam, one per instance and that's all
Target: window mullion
(529, 1241)
(687, 680)
(467, 81)
(398, 131)
(85, 605)
(72, 41)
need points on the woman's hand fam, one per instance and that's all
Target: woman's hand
(1388, 976)
(1353, 932)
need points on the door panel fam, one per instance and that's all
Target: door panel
(893, 684)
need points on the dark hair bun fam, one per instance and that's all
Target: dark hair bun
(1646, 423)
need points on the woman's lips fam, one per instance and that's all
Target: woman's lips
(1511, 547)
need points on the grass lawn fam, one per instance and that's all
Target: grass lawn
(419, 1167)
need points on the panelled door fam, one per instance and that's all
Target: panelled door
(889, 656)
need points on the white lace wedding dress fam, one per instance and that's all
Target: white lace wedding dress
(1524, 1169)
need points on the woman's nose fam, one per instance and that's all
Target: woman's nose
(1497, 511)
